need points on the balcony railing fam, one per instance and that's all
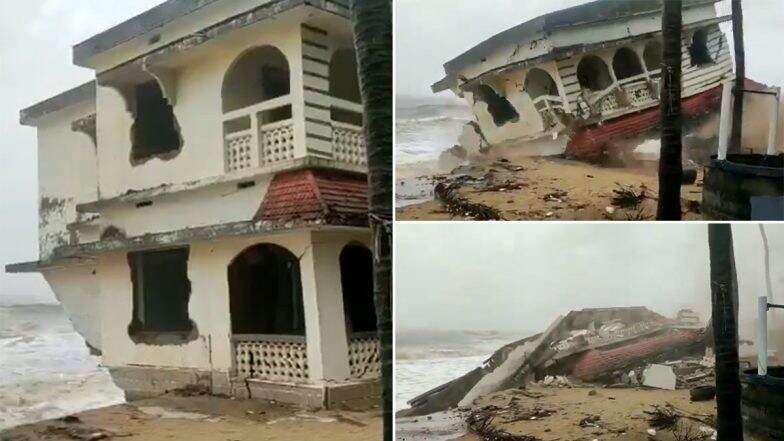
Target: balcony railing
(282, 358)
(364, 355)
(637, 90)
(548, 106)
(263, 134)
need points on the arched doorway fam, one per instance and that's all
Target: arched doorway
(653, 55)
(259, 74)
(344, 84)
(698, 51)
(540, 83)
(356, 279)
(593, 73)
(626, 64)
(265, 292)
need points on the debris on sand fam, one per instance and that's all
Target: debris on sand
(480, 422)
(627, 197)
(457, 205)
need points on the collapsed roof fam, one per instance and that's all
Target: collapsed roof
(589, 344)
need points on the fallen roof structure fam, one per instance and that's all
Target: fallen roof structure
(590, 345)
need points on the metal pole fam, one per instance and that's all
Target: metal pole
(774, 124)
(725, 121)
(762, 336)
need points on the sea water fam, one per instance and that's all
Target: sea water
(46, 370)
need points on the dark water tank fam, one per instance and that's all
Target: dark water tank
(762, 404)
(742, 186)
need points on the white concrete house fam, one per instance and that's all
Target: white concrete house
(591, 73)
(203, 203)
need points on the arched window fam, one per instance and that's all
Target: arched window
(539, 83)
(626, 64)
(259, 74)
(498, 106)
(265, 292)
(356, 278)
(593, 73)
(699, 49)
(653, 55)
(344, 84)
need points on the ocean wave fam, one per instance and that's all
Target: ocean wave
(427, 119)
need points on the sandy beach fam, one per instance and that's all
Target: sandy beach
(203, 418)
(539, 188)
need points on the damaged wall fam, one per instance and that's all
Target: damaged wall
(212, 205)
(76, 288)
(198, 111)
(66, 174)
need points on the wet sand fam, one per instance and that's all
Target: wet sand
(204, 418)
(542, 188)
(621, 412)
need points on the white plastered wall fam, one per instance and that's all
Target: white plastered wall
(209, 305)
(212, 205)
(199, 80)
(66, 174)
(76, 287)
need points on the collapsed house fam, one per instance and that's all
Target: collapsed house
(609, 346)
(203, 203)
(592, 72)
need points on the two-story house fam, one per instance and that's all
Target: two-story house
(203, 202)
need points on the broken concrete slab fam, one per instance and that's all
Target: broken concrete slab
(659, 376)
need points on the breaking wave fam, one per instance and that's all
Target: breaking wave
(46, 371)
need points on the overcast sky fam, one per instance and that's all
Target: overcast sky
(35, 63)
(521, 276)
(429, 33)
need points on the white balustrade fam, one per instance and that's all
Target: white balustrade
(364, 356)
(280, 358)
(348, 143)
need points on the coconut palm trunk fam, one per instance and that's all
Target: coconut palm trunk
(740, 77)
(670, 163)
(725, 332)
(373, 41)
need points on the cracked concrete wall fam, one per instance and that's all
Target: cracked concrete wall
(66, 174)
(209, 305)
(212, 205)
(198, 110)
(512, 85)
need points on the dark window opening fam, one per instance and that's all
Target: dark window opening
(344, 84)
(653, 55)
(699, 49)
(274, 115)
(498, 106)
(258, 75)
(593, 74)
(540, 83)
(161, 291)
(356, 278)
(155, 129)
(265, 292)
(626, 64)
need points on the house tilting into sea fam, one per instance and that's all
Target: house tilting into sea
(592, 73)
(203, 203)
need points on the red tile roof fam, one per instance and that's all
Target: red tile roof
(334, 197)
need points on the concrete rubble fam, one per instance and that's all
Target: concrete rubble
(603, 347)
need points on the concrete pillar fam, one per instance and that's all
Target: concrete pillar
(325, 324)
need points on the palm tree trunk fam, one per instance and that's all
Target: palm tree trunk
(740, 77)
(373, 41)
(670, 164)
(725, 332)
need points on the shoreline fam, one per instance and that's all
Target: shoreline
(202, 418)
